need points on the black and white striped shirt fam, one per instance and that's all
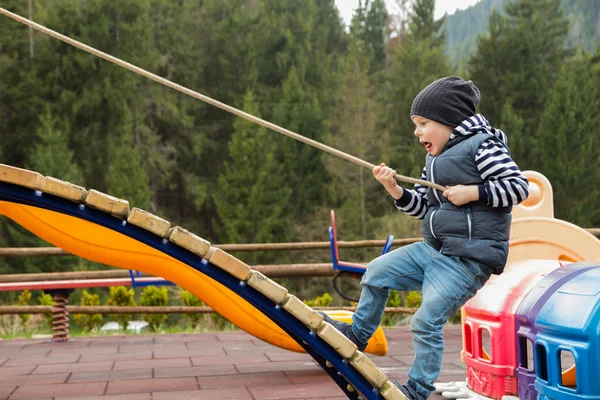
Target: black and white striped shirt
(504, 184)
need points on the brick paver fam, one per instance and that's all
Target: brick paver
(224, 366)
(134, 396)
(100, 376)
(152, 385)
(43, 392)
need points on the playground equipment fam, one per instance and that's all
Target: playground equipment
(491, 315)
(102, 228)
(527, 329)
(546, 300)
(347, 270)
(567, 326)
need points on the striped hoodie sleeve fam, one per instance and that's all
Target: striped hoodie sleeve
(414, 202)
(504, 183)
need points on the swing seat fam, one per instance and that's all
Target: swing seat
(339, 265)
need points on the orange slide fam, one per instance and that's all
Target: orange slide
(103, 245)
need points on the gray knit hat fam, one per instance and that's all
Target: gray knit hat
(448, 101)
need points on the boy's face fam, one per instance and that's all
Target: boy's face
(433, 135)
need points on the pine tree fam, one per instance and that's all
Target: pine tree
(298, 110)
(252, 196)
(353, 130)
(568, 143)
(19, 90)
(517, 64)
(417, 59)
(370, 25)
(51, 156)
(423, 26)
(125, 176)
(488, 68)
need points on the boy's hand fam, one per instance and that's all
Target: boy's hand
(385, 176)
(461, 194)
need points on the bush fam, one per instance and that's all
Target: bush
(414, 299)
(46, 300)
(320, 301)
(153, 296)
(220, 323)
(122, 297)
(190, 300)
(395, 300)
(90, 322)
(24, 299)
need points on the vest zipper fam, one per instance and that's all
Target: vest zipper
(433, 181)
(431, 224)
(436, 197)
(469, 220)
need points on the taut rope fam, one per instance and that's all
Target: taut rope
(207, 99)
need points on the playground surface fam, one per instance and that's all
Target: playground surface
(202, 366)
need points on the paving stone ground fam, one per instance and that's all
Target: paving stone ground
(203, 366)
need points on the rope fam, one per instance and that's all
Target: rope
(208, 100)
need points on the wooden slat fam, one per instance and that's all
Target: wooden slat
(188, 241)
(149, 222)
(21, 177)
(63, 189)
(268, 287)
(229, 263)
(337, 340)
(369, 370)
(304, 313)
(104, 202)
(391, 392)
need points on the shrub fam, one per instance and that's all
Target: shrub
(153, 296)
(46, 300)
(414, 299)
(24, 299)
(395, 300)
(90, 322)
(122, 297)
(320, 301)
(190, 300)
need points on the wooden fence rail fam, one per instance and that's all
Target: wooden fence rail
(249, 247)
(304, 270)
(270, 270)
(153, 310)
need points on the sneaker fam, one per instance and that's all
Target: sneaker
(407, 391)
(346, 330)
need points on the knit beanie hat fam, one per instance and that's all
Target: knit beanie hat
(448, 101)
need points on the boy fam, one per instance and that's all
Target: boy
(465, 228)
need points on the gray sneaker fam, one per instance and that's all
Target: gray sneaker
(346, 330)
(408, 392)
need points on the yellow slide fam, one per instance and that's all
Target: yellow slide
(103, 245)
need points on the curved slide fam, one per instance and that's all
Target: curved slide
(97, 243)
(102, 228)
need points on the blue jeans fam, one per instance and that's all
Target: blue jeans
(446, 282)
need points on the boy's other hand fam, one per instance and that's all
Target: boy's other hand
(385, 176)
(461, 194)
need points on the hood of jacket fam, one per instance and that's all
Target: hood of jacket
(472, 126)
